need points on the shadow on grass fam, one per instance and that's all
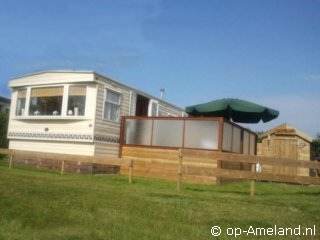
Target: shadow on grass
(197, 189)
(166, 195)
(308, 193)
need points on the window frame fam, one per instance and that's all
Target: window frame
(47, 87)
(67, 91)
(64, 102)
(110, 102)
(23, 113)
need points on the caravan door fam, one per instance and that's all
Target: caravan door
(153, 109)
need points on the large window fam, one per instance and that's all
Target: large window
(21, 102)
(46, 101)
(112, 106)
(64, 101)
(77, 100)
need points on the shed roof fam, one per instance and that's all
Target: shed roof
(287, 130)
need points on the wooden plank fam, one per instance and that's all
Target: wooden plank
(154, 153)
(238, 174)
(199, 179)
(5, 151)
(67, 157)
(234, 157)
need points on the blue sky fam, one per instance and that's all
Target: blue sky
(198, 50)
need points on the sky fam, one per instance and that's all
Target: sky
(267, 52)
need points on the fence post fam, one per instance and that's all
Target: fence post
(130, 171)
(179, 177)
(10, 161)
(62, 167)
(253, 181)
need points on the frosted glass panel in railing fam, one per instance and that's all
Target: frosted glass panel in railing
(227, 137)
(167, 133)
(201, 134)
(138, 132)
(246, 140)
(252, 144)
(236, 140)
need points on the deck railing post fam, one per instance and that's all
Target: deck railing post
(62, 167)
(11, 160)
(253, 181)
(179, 176)
(130, 171)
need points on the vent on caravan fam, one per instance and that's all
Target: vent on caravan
(161, 93)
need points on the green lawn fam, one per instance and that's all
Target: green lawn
(44, 205)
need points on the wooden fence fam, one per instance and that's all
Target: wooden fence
(68, 163)
(251, 173)
(209, 166)
(176, 164)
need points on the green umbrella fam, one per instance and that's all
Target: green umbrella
(236, 109)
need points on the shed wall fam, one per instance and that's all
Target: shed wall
(284, 147)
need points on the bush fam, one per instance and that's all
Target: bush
(4, 119)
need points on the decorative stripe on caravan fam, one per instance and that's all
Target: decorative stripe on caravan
(107, 139)
(54, 136)
(63, 136)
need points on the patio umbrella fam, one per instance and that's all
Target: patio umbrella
(236, 109)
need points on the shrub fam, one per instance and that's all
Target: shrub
(4, 119)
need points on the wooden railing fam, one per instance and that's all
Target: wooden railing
(180, 164)
(67, 162)
(253, 160)
(252, 173)
(4, 151)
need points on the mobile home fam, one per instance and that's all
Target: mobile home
(75, 112)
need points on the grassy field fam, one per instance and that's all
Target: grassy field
(44, 205)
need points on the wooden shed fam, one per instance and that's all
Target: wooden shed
(285, 143)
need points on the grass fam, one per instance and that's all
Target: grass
(45, 205)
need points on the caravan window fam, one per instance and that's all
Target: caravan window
(46, 101)
(112, 106)
(77, 100)
(21, 102)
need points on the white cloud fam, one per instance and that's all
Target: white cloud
(312, 77)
